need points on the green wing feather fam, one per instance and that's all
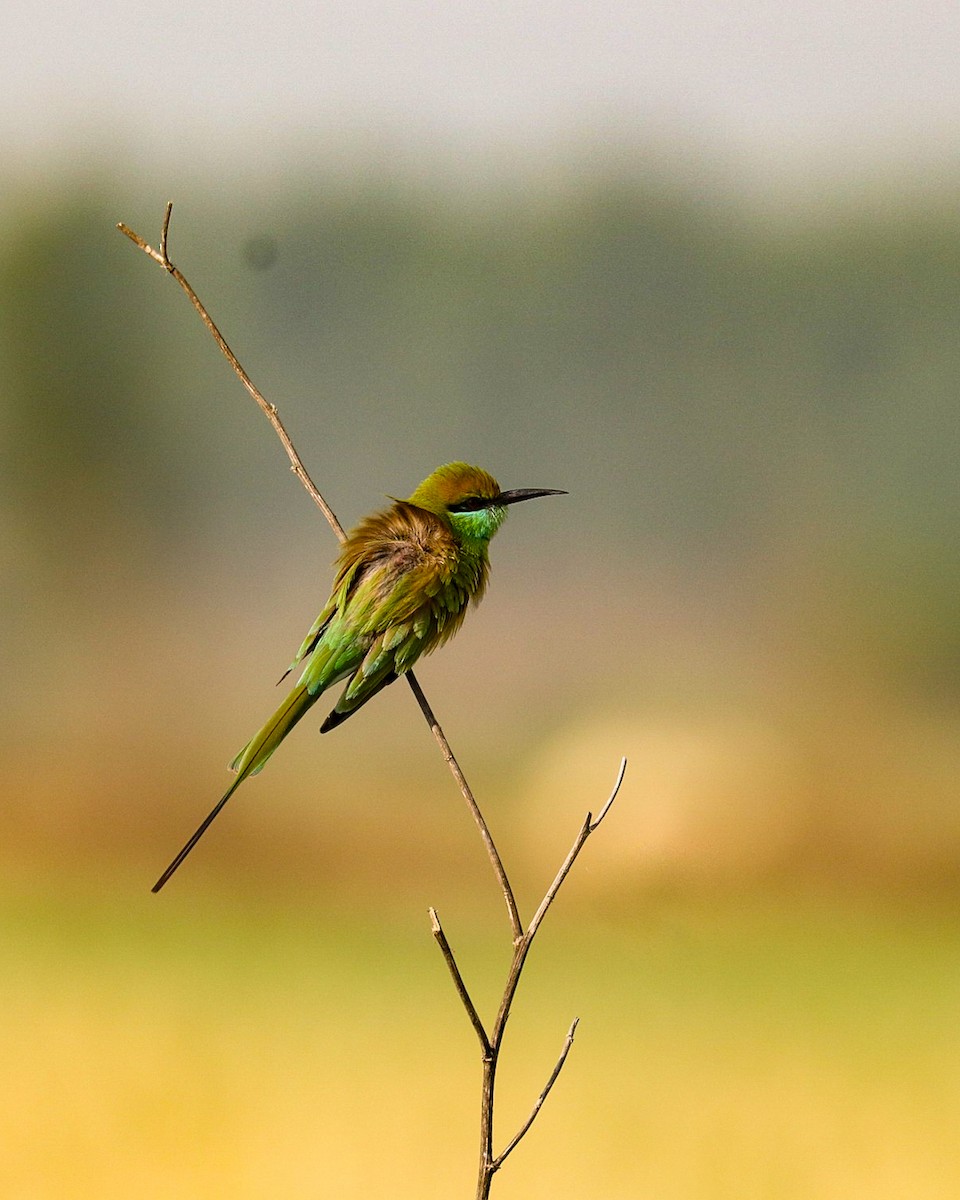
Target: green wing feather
(404, 594)
(402, 587)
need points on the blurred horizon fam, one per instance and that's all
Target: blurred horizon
(756, 88)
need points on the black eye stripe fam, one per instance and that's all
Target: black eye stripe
(470, 504)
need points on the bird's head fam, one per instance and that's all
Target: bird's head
(470, 499)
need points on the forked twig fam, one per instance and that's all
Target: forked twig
(490, 1044)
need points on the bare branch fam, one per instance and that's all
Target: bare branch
(269, 410)
(461, 987)
(521, 948)
(164, 230)
(588, 826)
(568, 1042)
(138, 241)
(612, 796)
(492, 852)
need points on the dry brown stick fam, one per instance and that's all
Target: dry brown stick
(269, 410)
(491, 1044)
(521, 1132)
(458, 983)
(465, 790)
(588, 827)
(522, 948)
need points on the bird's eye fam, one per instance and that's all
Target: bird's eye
(470, 504)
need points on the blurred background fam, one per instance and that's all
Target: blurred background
(699, 265)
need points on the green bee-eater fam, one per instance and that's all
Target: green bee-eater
(404, 579)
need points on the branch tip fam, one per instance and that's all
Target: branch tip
(164, 230)
(554, 1075)
(613, 794)
(465, 998)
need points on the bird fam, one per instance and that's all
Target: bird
(404, 580)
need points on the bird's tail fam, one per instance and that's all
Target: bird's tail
(248, 762)
(253, 757)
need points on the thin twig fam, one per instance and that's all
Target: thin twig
(589, 825)
(522, 947)
(461, 987)
(492, 852)
(521, 1132)
(269, 410)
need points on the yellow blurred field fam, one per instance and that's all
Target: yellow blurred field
(727, 1049)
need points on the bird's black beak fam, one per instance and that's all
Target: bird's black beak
(515, 495)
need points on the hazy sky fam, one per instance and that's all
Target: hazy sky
(757, 79)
